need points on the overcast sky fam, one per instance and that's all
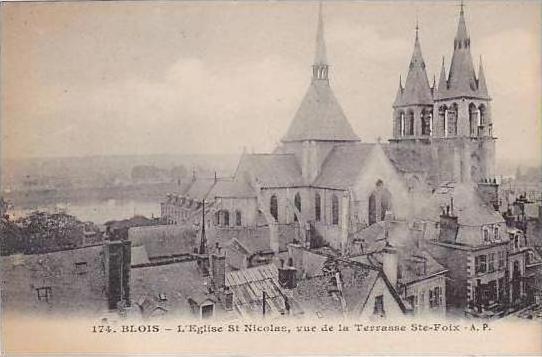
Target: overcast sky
(178, 77)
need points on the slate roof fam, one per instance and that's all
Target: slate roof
(235, 188)
(271, 170)
(321, 295)
(200, 188)
(164, 240)
(320, 117)
(178, 282)
(343, 165)
(73, 291)
(415, 159)
(468, 206)
(462, 79)
(417, 90)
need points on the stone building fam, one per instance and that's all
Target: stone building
(451, 119)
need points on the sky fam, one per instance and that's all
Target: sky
(115, 78)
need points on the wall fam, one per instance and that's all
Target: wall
(421, 289)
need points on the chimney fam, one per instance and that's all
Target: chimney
(218, 269)
(448, 226)
(489, 192)
(390, 263)
(117, 259)
(287, 275)
(228, 299)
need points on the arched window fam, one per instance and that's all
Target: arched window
(410, 122)
(402, 124)
(443, 116)
(452, 120)
(225, 218)
(426, 118)
(379, 203)
(317, 206)
(297, 203)
(483, 115)
(473, 120)
(334, 210)
(238, 218)
(274, 207)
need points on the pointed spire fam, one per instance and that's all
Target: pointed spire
(417, 90)
(320, 55)
(442, 83)
(482, 86)
(320, 66)
(462, 36)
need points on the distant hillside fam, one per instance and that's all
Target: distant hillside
(104, 171)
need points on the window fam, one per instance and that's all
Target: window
(162, 297)
(297, 203)
(317, 206)
(485, 232)
(334, 210)
(238, 218)
(501, 256)
(410, 123)
(223, 218)
(491, 262)
(422, 298)
(44, 294)
(437, 297)
(496, 232)
(452, 120)
(379, 306)
(481, 264)
(81, 268)
(274, 207)
(402, 124)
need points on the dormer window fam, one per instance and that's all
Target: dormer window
(485, 233)
(81, 268)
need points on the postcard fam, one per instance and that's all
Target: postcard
(254, 177)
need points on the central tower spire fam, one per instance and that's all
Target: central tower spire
(320, 66)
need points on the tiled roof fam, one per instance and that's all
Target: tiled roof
(320, 117)
(343, 165)
(164, 240)
(271, 170)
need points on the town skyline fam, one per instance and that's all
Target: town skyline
(117, 86)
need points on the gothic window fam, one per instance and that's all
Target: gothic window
(223, 218)
(297, 203)
(274, 207)
(452, 120)
(443, 116)
(402, 124)
(334, 210)
(424, 116)
(473, 120)
(379, 203)
(410, 122)
(317, 206)
(238, 218)
(483, 112)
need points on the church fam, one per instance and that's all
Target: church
(324, 183)
(423, 207)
